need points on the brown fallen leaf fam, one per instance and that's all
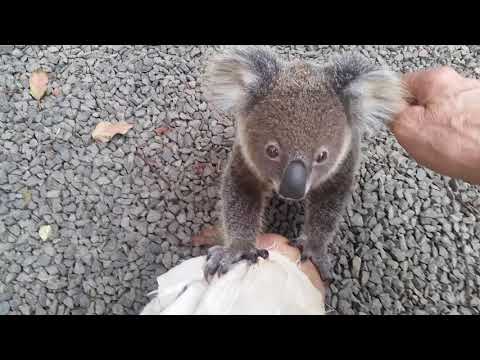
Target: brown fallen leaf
(199, 168)
(27, 196)
(105, 131)
(44, 232)
(161, 130)
(210, 235)
(38, 84)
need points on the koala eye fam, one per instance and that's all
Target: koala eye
(272, 151)
(321, 157)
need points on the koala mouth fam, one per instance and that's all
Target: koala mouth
(294, 181)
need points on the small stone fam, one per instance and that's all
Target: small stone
(167, 260)
(49, 250)
(423, 53)
(365, 277)
(153, 216)
(4, 308)
(24, 309)
(181, 218)
(15, 268)
(118, 309)
(99, 307)
(357, 220)
(356, 263)
(421, 174)
(68, 302)
(398, 255)
(59, 177)
(103, 180)
(79, 268)
(52, 194)
(43, 260)
(44, 232)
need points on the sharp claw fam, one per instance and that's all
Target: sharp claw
(212, 270)
(263, 253)
(296, 244)
(222, 269)
(219, 259)
(206, 274)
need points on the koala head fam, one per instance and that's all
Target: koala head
(296, 121)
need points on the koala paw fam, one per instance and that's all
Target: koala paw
(220, 259)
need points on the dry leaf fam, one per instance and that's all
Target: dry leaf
(199, 168)
(105, 131)
(38, 84)
(161, 130)
(27, 196)
(210, 235)
(44, 232)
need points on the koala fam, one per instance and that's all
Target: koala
(298, 132)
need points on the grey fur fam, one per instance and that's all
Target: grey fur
(239, 75)
(304, 108)
(370, 93)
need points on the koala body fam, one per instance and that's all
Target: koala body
(299, 127)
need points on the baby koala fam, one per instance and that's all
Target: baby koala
(299, 127)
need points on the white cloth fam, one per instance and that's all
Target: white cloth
(273, 286)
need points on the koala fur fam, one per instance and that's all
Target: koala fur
(299, 127)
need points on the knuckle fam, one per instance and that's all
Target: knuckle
(445, 73)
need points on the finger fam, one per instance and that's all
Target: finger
(311, 271)
(269, 241)
(274, 242)
(429, 84)
(280, 244)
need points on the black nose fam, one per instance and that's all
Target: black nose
(294, 181)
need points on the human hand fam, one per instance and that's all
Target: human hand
(441, 130)
(274, 242)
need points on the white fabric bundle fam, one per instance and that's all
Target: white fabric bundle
(274, 286)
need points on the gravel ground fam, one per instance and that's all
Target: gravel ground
(123, 213)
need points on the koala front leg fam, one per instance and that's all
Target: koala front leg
(242, 204)
(324, 208)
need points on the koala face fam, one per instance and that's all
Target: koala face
(296, 120)
(296, 137)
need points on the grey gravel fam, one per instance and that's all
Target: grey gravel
(4, 308)
(123, 213)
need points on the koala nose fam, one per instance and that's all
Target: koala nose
(294, 181)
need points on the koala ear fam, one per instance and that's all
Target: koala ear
(372, 95)
(238, 75)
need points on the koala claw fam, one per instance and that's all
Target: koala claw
(298, 243)
(220, 259)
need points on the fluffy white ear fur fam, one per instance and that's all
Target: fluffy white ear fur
(376, 98)
(237, 72)
(373, 95)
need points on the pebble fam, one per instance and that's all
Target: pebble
(401, 245)
(153, 216)
(356, 263)
(357, 220)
